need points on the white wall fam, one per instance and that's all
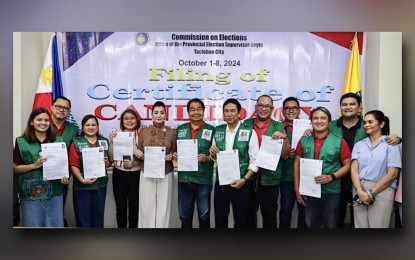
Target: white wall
(382, 90)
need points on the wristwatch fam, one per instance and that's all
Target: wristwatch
(333, 177)
(371, 193)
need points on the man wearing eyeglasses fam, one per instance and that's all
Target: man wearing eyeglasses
(61, 108)
(269, 181)
(290, 111)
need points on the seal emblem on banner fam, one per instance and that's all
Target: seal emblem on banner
(38, 189)
(142, 38)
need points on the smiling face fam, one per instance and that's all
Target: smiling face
(320, 121)
(60, 109)
(349, 107)
(231, 114)
(264, 108)
(41, 123)
(291, 111)
(372, 126)
(90, 128)
(129, 122)
(196, 112)
(158, 115)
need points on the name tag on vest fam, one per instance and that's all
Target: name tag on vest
(243, 135)
(207, 134)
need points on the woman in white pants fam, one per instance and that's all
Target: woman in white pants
(156, 192)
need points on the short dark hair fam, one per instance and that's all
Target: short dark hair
(62, 97)
(380, 117)
(85, 119)
(232, 101)
(134, 113)
(29, 133)
(196, 100)
(351, 95)
(290, 99)
(158, 104)
(322, 109)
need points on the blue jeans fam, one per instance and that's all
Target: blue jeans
(268, 203)
(89, 206)
(322, 211)
(48, 213)
(287, 201)
(188, 194)
(241, 203)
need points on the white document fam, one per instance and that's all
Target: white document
(228, 167)
(123, 145)
(154, 161)
(56, 165)
(93, 162)
(187, 155)
(269, 153)
(299, 126)
(309, 169)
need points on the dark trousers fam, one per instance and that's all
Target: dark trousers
(241, 201)
(287, 201)
(346, 198)
(268, 203)
(190, 193)
(89, 207)
(322, 211)
(126, 185)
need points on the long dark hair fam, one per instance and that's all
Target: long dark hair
(134, 113)
(380, 117)
(85, 119)
(30, 134)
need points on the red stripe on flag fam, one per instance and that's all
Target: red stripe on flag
(43, 100)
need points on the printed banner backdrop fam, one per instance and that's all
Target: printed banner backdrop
(103, 73)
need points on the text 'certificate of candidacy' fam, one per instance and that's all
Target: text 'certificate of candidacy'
(299, 126)
(123, 145)
(269, 153)
(228, 167)
(56, 165)
(154, 162)
(93, 162)
(309, 169)
(187, 155)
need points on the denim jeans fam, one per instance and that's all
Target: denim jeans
(188, 194)
(89, 206)
(322, 211)
(287, 201)
(268, 203)
(241, 203)
(126, 185)
(48, 213)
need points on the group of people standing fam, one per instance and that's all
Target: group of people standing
(359, 158)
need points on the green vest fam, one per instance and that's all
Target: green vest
(329, 154)
(288, 165)
(360, 133)
(204, 141)
(241, 146)
(268, 177)
(82, 142)
(69, 132)
(31, 184)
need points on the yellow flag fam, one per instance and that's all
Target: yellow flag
(352, 79)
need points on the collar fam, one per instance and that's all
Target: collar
(319, 138)
(339, 122)
(236, 128)
(265, 125)
(57, 128)
(198, 127)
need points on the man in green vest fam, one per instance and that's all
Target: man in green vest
(61, 107)
(196, 186)
(332, 150)
(269, 181)
(350, 127)
(230, 136)
(290, 110)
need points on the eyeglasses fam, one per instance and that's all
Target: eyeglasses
(60, 108)
(261, 106)
(291, 108)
